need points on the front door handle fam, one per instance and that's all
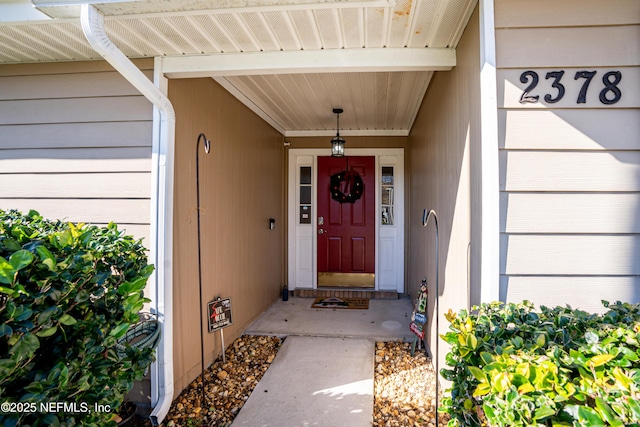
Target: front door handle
(320, 231)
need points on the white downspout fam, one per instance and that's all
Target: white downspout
(161, 205)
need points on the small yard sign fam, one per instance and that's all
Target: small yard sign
(419, 316)
(219, 314)
(417, 330)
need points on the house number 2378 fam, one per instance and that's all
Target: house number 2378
(609, 94)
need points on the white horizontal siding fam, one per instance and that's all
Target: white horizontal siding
(548, 213)
(76, 135)
(554, 13)
(588, 255)
(569, 172)
(75, 110)
(557, 47)
(584, 293)
(75, 145)
(85, 85)
(76, 185)
(569, 129)
(65, 160)
(94, 211)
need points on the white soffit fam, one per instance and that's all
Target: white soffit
(380, 89)
(379, 104)
(290, 61)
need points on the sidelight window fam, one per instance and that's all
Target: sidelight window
(305, 195)
(387, 195)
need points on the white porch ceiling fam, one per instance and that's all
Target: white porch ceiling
(290, 61)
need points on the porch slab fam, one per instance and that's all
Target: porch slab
(384, 320)
(314, 381)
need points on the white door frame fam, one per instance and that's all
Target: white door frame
(302, 238)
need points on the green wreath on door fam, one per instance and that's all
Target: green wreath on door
(348, 192)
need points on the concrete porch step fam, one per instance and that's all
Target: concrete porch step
(345, 293)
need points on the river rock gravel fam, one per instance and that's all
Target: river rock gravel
(228, 384)
(403, 386)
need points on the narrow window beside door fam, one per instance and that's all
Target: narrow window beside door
(305, 194)
(387, 195)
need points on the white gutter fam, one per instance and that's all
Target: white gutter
(161, 202)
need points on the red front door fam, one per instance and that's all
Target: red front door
(346, 221)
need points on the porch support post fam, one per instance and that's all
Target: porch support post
(490, 172)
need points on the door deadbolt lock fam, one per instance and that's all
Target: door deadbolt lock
(320, 220)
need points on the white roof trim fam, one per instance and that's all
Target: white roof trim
(137, 9)
(321, 61)
(20, 11)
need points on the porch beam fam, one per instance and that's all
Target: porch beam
(307, 61)
(347, 132)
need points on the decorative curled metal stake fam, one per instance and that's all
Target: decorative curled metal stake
(425, 221)
(207, 148)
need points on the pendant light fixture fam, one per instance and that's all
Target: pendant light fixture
(337, 143)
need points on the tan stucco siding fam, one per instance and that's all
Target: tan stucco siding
(241, 187)
(75, 144)
(569, 170)
(444, 143)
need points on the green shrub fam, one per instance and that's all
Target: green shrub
(514, 366)
(67, 294)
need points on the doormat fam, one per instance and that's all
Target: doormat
(349, 303)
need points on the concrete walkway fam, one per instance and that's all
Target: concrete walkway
(323, 374)
(314, 381)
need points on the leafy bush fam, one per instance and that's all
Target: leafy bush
(67, 294)
(514, 366)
